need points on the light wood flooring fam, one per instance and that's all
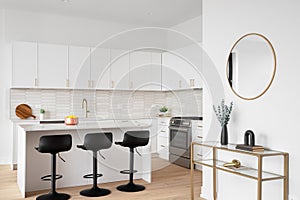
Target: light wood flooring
(169, 182)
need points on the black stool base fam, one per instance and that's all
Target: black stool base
(54, 196)
(131, 187)
(95, 192)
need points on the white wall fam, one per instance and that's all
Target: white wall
(5, 77)
(275, 116)
(52, 28)
(189, 29)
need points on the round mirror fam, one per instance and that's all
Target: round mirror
(251, 66)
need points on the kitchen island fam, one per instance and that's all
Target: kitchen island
(32, 165)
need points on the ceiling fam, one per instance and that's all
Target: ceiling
(161, 13)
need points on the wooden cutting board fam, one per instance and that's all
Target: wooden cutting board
(23, 111)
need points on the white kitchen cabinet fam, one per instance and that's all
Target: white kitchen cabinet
(139, 67)
(177, 73)
(171, 77)
(156, 70)
(52, 65)
(197, 136)
(163, 138)
(24, 71)
(119, 69)
(100, 68)
(79, 67)
(145, 70)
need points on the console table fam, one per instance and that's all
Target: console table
(253, 173)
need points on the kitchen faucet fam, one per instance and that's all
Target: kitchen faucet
(84, 102)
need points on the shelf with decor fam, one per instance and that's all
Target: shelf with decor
(248, 172)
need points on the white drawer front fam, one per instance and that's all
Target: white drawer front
(163, 148)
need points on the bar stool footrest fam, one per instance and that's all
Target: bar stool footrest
(48, 177)
(128, 171)
(92, 175)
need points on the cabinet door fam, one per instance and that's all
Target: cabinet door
(100, 68)
(119, 69)
(155, 74)
(79, 67)
(24, 72)
(145, 70)
(171, 73)
(53, 65)
(140, 70)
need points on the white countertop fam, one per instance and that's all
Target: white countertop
(84, 125)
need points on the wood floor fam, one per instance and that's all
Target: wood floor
(169, 182)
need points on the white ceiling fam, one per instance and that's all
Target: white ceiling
(162, 13)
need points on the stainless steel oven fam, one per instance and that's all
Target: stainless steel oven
(180, 129)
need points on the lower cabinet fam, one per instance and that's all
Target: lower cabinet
(163, 138)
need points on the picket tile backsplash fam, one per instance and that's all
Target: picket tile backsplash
(106, 104)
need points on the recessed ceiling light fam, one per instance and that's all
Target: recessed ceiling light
(66, 1)
(150, 13)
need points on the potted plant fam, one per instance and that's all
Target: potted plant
(223, 112)
(42, 113)
(163, 109)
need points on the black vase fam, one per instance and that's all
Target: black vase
(224, 135)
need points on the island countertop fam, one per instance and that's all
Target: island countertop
(85, 125)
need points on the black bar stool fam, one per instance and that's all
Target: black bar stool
(133, 139)
(95, 142)
(54, 144)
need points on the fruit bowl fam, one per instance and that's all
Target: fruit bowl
(71, 120)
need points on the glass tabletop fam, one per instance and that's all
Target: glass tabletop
(232, 147)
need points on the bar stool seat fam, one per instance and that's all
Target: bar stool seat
(132, 139)
(54, 144)
(95, 142)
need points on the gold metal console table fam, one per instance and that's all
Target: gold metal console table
(257, 174)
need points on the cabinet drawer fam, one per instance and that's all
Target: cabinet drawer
(163, 132)
(163, 148)
(198, 153)
(197, 134)
(163, 121)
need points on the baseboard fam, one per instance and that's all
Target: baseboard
(154, 155)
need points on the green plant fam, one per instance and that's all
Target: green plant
(223, 112)
(42, 111)
(163, 109)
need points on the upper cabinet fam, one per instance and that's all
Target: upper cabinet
(178, 73)
(24, 72)
(145, 70)
(62, 66)
(52, 66)
(119, 69)
(100, 68)
(79, 67)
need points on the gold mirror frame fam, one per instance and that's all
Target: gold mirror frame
(274, 71)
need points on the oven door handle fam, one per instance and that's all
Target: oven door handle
(179, 129)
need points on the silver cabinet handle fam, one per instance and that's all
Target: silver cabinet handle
(163, 131)
(162, 145)
(200, 126)
(67, 83)
(199, 137)
(35, 82)
(200, 155)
